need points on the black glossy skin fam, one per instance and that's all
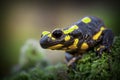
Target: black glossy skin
(84, 34)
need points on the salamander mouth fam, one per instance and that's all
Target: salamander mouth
(47, 42)
(44, 42)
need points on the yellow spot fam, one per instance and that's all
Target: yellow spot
(86, 20)
(55, 46)
(50, 36)
(45, 33)
(67, 38)
(102, 28)
(97, 35)
(74, 45)
(100, 47)
(53, 38)
(84, 46)
(71, 29)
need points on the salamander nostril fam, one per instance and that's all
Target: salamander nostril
(57, 33)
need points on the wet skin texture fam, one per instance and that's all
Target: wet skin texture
(84, 35)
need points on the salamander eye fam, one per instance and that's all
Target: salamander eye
(57, 33)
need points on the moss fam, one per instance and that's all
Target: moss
(53, 72)
(89, 67)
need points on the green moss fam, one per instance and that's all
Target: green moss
(55, 72)
(89, 67)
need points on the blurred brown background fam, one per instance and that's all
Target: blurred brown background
(25, 20)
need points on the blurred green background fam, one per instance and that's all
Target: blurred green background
(26, 20)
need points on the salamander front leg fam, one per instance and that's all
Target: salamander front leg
(71, 60)
(106, 43)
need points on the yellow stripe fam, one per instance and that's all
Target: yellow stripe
(86, 20)
(84, 46)
(67, 38)
(50, 36)
(71, 29)
(74, 45)
(55, 46)
(97, 35)
(45, 33)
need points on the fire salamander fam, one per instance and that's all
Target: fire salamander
(86, 34)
